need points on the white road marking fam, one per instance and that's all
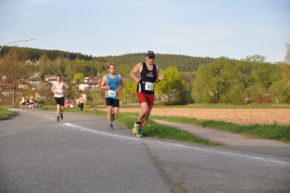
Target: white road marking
(100, 132)
(259, 158)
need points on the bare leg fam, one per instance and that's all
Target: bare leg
(116, 110)
(57, 110)
(61, 112)
(145, 111)
(145, 119)
(109, 114)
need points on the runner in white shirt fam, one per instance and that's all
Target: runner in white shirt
(58, 90)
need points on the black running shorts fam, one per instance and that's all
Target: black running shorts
(112, 102)
(59, 101)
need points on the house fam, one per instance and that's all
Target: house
(34, 80)
(6, 86)
(9, 91)
(22, 85)
(95, 82)
(84, 86)
(92, 82)
(50, 78)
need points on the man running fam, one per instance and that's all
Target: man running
(58, 90)
(149, 74)
(112, 83)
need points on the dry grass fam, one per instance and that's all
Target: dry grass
(239, 116)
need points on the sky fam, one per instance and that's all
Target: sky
(213, 28)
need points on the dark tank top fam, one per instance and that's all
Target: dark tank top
(148, 77)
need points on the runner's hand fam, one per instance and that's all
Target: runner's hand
(138, 80)
(160, 77)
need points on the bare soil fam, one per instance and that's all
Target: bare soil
(239, 116)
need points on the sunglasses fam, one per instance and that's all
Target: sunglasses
(151, 57)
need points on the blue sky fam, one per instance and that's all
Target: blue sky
(212, 28)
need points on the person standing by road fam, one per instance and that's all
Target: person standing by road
(81, 102)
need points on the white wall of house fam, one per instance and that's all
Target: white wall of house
(82, 87)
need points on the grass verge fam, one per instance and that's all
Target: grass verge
(276, 132)
(5, 113)
(152, 129)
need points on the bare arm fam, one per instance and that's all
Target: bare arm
(137, 69)
(159, 76)
(104, 85)
(64, 87)
(121, 86)
(53, 88)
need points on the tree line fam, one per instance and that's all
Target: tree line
(187, 79)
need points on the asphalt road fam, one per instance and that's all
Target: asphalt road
(78, 155)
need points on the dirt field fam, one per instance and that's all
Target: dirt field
(240, 116)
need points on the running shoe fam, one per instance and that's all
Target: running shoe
(110, 128)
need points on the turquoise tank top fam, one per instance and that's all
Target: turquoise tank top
(113, 83)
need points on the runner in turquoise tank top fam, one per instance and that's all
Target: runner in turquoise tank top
(112, 83)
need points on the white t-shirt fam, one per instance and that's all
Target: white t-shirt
(58, 89)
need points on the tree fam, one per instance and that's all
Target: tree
(280, 89)
(128, 94)
(256, 58)
(171, 84)
(287, 57)
(78, 77)
(13, 68)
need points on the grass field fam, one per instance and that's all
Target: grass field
(217, 106)
(5, 113)
(276, 132)
(234, 115)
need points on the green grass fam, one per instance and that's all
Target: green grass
(5, 113)
(276, 132)
(152, 129)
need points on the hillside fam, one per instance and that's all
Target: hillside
(182, 62)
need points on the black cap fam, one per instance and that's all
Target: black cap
(150, 54)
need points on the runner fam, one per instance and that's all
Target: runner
(148, 75)
(27, 102)
(22, 102)
(58, 90)
(112, 83)
(31, 102)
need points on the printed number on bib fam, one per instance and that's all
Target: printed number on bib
(112, 93)
(149, 86)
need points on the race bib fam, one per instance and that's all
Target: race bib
(149, 86)
(112, 93)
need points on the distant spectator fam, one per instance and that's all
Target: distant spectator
(81, 103)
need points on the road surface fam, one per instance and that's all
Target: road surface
(78, 155)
